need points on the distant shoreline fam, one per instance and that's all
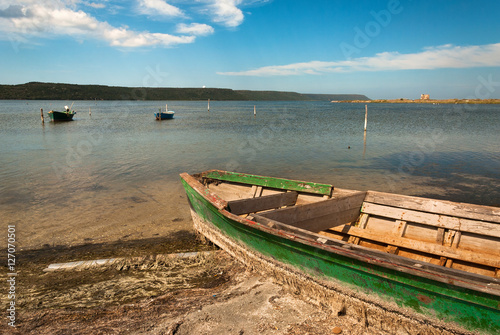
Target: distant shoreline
(428, 101)
(59, 91)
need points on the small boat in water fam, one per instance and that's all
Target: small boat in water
(164, 115)
(387, 257)
(66, 115)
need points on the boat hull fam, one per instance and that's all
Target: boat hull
(364, 282)
(164, 116)
(61, 116)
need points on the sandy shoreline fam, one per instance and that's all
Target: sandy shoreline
(211, 294)
(428, 101)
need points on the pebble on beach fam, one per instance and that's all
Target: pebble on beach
(337, 330)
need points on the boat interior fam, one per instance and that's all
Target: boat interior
(448, 234)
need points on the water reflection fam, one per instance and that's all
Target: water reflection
(466, 176)
(364, 144)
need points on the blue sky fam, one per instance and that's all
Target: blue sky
(383, 49)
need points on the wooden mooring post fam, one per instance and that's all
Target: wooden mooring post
(366, 115)
(41, 115)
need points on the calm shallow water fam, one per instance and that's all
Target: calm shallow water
(75, 173)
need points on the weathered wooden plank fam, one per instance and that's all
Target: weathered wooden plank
(231, 192)
(474, 242)
(254, 190)
(258, 191)
(400, 228)
(213, 198)
(363, 219)
(449, 208)
(440, 236)
(449, 237)
(353, 239)
(456, 239)
(279, 183)
(392, 249)
(251, 205)
(430, 248)
(322, 214)
(317, 224)
(436, 220)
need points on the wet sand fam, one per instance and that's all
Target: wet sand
(210, 293)
(206, 294)
(103, 214)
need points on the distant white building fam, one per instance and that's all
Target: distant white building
(424, 97)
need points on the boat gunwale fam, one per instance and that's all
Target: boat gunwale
(278, 183)
(68, 113)
(460, 278)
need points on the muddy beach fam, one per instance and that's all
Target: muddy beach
(210, 293)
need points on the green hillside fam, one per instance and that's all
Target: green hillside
(55, 91)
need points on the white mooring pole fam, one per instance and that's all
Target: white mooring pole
(366, 115)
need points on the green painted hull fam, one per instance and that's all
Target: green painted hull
(61, 116)
(435, 301)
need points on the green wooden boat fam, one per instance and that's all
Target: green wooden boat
(66, 115)
(422, 262)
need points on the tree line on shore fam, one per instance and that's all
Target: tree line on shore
(58, 91)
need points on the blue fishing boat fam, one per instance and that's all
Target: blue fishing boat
(164, 115)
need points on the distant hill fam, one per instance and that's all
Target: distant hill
(55, 91)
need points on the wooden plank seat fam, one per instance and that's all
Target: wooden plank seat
(252, 205)
(321, 215)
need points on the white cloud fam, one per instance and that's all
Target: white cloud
(196, 29)
(126, 38)
(226, 12)
(159, 7)
(22, 20)
(53, 18)
(95, 5)
(446, 56)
